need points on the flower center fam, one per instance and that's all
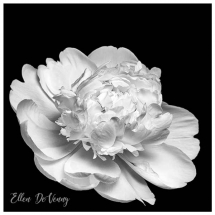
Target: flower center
(98, 107)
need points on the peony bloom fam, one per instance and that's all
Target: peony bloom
(99, 122)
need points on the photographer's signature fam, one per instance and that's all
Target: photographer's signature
(38, 198)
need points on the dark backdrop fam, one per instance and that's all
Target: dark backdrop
(175, 38)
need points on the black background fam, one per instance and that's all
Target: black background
(175, 38)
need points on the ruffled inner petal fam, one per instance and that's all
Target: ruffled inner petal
(147, 97)
(104, 134)
(151, 132)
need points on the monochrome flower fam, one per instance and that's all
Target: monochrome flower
(100, 122)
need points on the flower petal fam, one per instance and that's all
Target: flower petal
(119, 126)
(190, 146)
(82, 164)
(156, 135)
(112, 55)
(116, 148)
(184, 124)
(130, 186)
(144, 170)
(40, 134)
(54, 170)
(31, 89)
(57, 74)
(172, 166)
(147, 97)
(104, 134)
(183, 127)
(155, 71)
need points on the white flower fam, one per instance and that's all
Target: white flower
(100, 122)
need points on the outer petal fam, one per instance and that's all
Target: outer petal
(145, 171)
(172, 166)
(190, 146)
(184, 124)
(112, 55)
(129, 187)
(40, 134)
(82, 164)
(57, 74)
(31, 89)
(182, 129)
(55, 170)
